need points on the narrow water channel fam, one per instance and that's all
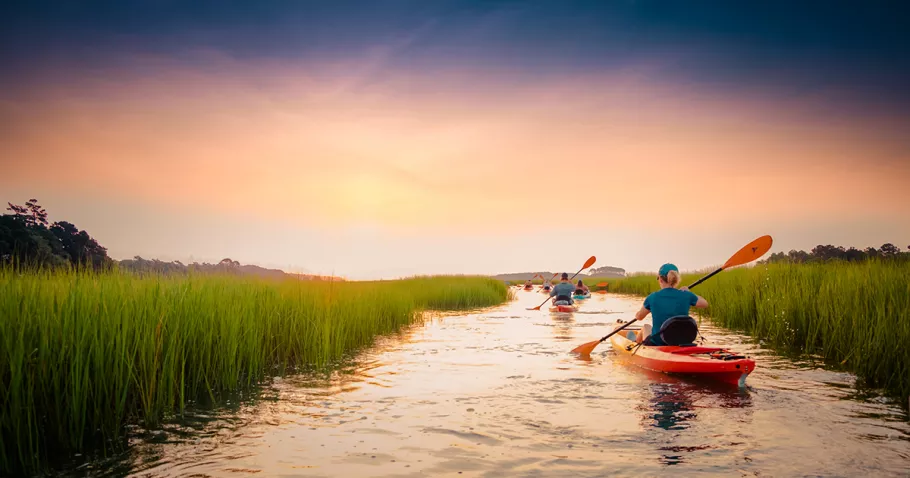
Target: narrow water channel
(495, 393)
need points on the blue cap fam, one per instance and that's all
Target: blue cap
(666, 268)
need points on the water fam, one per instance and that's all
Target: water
(496, 393)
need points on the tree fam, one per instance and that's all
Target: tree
(27, 241)
(775, 257)
(890, 250)
(798, 257)
(31, 214)
(854, 255)
(28, 246)
(828, 252)
(79, 246)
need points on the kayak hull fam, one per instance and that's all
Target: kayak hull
(582, 297)
(696, 361)
(563, 308)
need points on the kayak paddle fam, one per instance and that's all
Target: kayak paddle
(590, 262)
(747, 254)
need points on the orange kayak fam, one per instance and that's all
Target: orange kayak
(714, 363)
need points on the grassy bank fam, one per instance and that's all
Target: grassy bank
(854, 314)
(83, 354)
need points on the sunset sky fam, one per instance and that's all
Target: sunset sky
(387, 138)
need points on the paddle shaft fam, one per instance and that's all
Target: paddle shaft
(699, 281)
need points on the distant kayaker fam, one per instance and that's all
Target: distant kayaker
(581, 288)
(563, 290)
(665, 303)
(547, 285)
(529, 284)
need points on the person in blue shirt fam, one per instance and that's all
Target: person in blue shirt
(665, 303)
(563, 291)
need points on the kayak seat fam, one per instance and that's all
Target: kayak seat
(680, 330)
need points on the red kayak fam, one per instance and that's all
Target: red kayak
(563, 308)
(714, 363)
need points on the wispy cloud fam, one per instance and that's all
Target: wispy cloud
(423, 154)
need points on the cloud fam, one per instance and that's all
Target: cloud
(359, 144)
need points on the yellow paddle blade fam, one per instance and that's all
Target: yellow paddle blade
(586, 349)
(591, 262)
(750, 252)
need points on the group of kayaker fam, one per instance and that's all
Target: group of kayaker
(668, 344)
(669, 301)
(547, 285)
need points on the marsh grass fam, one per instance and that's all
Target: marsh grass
(855, 315)
(84, 354)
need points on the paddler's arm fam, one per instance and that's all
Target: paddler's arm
(700, 303)
(642, 313)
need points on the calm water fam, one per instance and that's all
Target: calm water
(495, 393)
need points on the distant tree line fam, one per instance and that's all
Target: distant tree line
(607, 271)
(828, 252)
(28, 240)
(154, 266)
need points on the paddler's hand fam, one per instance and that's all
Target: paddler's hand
(684, 289)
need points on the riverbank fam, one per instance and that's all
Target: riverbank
(87, 354)
(494, 392)
(855, 315)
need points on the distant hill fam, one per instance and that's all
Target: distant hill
(226, 266)
(606, 271)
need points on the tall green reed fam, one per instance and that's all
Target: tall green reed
(85, 354)
(855, 315)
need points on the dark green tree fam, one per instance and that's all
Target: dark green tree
(27, 241)
(890, 250)
(79, 246)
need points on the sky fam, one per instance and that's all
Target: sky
(388, 138)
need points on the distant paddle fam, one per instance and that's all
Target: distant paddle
(590, 262)
(747, 254)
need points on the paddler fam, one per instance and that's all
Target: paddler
(563, 290)
(547, 285)
(665, 303)
(581, 288)
(529, 284)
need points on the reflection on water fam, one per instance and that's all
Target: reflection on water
(671, 409)
(495, 393)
